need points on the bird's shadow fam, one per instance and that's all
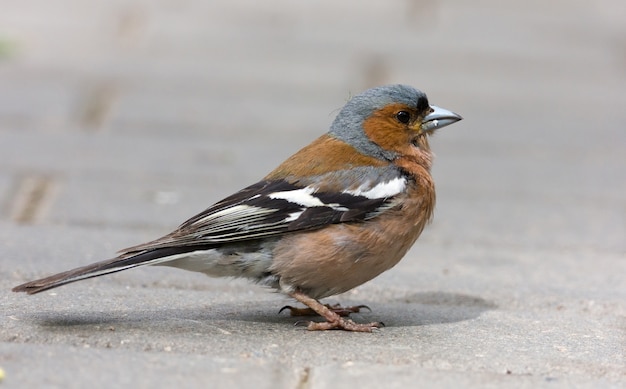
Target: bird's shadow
(418, 309)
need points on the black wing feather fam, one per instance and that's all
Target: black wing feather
(252, 214)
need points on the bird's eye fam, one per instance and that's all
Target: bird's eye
(403, 117)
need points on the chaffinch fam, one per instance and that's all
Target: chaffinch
(334, 215)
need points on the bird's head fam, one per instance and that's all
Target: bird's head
(390, 121)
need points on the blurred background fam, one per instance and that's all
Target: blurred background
(154, 109)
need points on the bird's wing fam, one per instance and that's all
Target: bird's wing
(273, 207)
(265, 209)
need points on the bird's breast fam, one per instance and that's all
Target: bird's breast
(340, 257)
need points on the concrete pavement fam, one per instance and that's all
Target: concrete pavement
(119, 119)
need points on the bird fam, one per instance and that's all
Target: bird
(334, 215)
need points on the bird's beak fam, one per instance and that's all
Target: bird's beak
(437, 119)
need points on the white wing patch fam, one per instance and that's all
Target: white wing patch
(305, 198)
(381, 190)
(299, 196)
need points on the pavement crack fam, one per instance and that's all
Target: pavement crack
(375, 71)
(304, 379)
(32, 197)
(131, 23)
(97, 106)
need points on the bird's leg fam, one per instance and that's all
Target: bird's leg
(337, 308)
(334, 321)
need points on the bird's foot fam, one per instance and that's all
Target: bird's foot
(332, 314)
(337, 308)
(342, 324)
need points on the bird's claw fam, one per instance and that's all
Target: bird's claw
(287, 307)
(336, 308)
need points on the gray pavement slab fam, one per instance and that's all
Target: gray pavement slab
(444, 315)
(117, 125)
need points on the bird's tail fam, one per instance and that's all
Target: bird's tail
(126, 261)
